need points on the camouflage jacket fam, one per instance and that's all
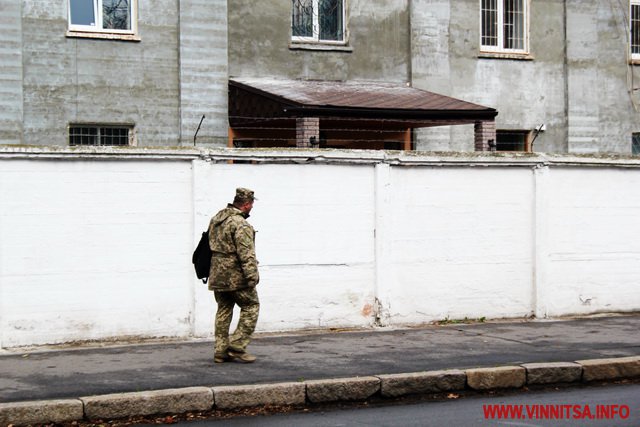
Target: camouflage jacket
(233, 262)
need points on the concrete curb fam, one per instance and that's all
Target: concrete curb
(610, 369)
(122, 405)
(496, 378)
(175, 401)
(243, 396)
(395, 385)
(41, 411)
(358, 388)
(551, 373)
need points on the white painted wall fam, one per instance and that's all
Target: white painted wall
(460, 243)
(314, 240)
(91, 250)
(97, 245)
(592, 254)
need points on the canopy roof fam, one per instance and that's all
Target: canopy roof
(252, 99)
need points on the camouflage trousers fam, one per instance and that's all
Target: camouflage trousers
(247, 300)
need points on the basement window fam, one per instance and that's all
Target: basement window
(318, 21)
(504, 26)
(513, 140)
(102, 18)
(100, 135)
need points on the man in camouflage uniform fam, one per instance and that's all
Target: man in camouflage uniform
(233, 277)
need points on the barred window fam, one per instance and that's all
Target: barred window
(100, 135)
(503, 25)
(634, 24)
(318, 21)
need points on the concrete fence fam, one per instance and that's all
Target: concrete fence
(96, 243)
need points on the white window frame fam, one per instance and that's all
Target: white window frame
(634, 39)
(316, 27)
(97, 28)
(500, 27)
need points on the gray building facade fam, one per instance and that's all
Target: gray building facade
(562, 74)
(576, 75)
(152, 68)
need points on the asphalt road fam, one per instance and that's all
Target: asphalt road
(470, 411)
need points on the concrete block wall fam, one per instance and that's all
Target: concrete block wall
(11, 76)
(377, 43)
(576, 79)
(97, 244)
(603, 102)
(315, 241)
(90, 250)
(161, 83)
(459, 244)
(588, 245)
(527, 91)
(203, 71)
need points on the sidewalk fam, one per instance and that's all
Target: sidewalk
(296, 358)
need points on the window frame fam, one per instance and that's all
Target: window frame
(315, 38)
(97, 29)
(499, 49)
(635, 144)
(525, 134)
(98, 128)
(634, 56)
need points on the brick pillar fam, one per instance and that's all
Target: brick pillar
(485, 135)
(307, 132)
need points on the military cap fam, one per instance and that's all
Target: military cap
(244, 194)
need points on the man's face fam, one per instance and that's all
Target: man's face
(246, 207)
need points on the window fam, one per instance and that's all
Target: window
(103, 16)
(513, 140)
(100, 135)
(318, 21)
(635, 144)
(504, 26)
(634, 16)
